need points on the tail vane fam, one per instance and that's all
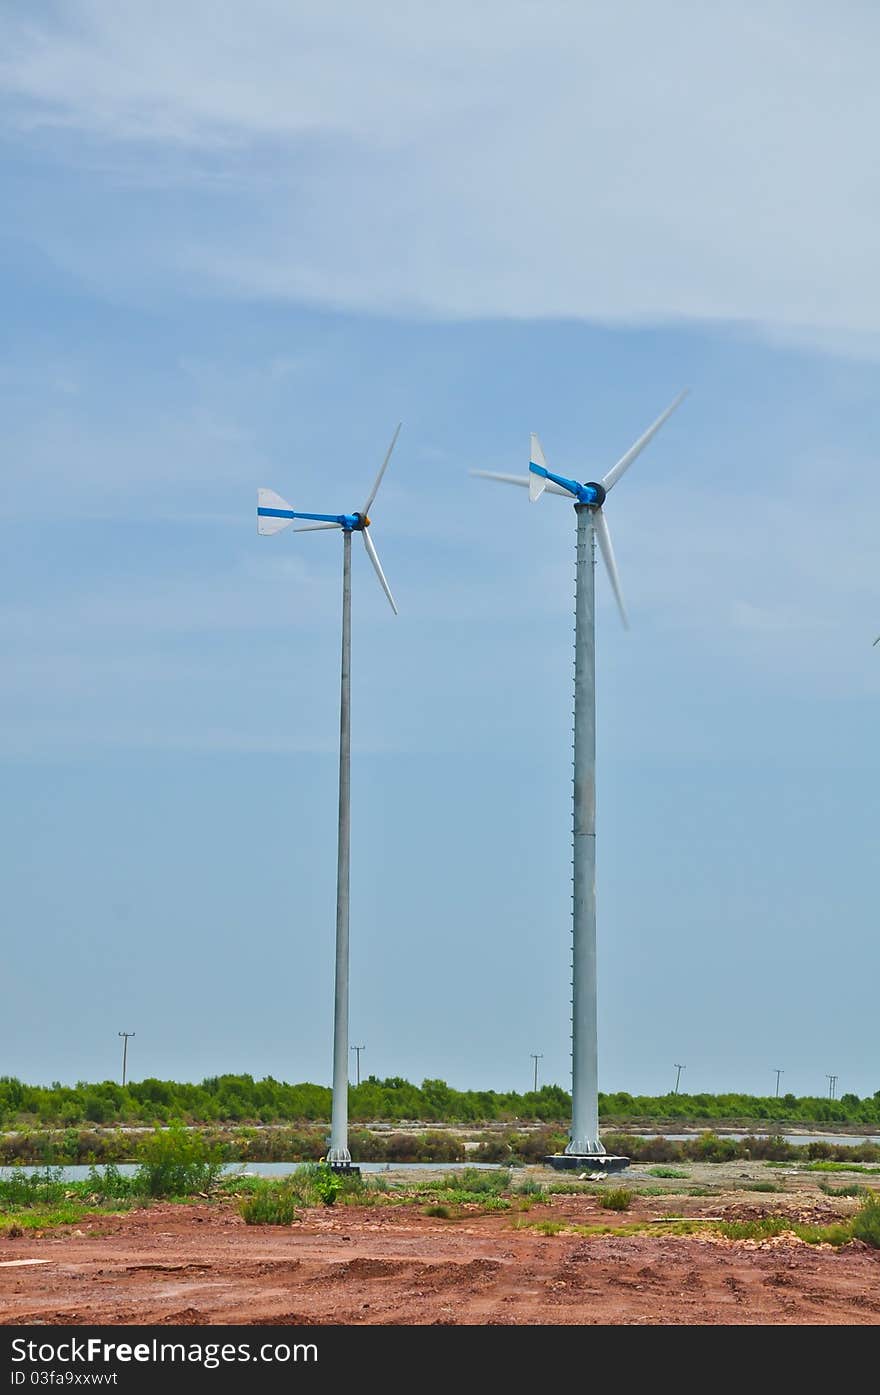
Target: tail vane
(273, 512)
(537, 483)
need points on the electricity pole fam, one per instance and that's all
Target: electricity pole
(778, 1073)
(678, 1076)
(125, 1036)
(357, 1050)
(832, 1085)
(536, 1057)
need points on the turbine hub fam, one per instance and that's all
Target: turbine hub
(599, 495)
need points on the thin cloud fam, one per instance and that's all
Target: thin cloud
(521, 160)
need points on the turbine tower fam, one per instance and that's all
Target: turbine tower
(273, 514)
(584, 1145)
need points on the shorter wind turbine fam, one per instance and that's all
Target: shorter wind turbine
(584, 1145)
(273, 514)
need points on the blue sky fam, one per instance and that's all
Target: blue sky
(240, 243)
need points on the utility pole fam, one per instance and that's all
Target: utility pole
(679, 1069)
(536, 1057)
(357, 1050)
(778, 1073)
(832, 1085)
(125, 1036)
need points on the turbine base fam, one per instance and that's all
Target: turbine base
(586, 1162)
(346, 1169)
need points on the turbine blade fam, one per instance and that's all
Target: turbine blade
(625, 461)
(384, 466)
(374, 558)
(313, 527)
(600, 523)
(268, 499)
(523, 480)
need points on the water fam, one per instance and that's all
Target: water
(79, 1172)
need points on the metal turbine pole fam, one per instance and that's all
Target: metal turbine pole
(125, 1036)
(536, 1057)
(584, 1137)
(339, 1114)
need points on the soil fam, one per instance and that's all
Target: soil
(390, 1264)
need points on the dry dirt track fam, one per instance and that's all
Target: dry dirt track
(382, 1264)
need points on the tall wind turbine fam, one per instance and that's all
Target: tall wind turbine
(273, 514)
(584, 1145)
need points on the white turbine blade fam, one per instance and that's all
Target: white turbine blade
(537, 484)
(268, 499)
(374, 558)
(383, 467)
(523, 480)
(625, 461)
(313, 527)
(600, 523)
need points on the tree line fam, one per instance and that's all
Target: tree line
(241, 1099)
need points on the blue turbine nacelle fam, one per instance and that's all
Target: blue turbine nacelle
(589, 493)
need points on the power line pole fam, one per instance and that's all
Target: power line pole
(125, 1036)
(536, 1057)
(832, 1085)
(778, 1073)
(678, 1076)
(357, 1050)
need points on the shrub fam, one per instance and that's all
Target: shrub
(176, 1162)
(618, 1199)
(866, 1221)
(443, 1213)
(667, 1172)
(271, 1204)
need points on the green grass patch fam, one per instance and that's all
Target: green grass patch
(759, 1187)
(667, 1172)
(440, 1211)
(618, 1199)
(269, 1205)
(850, 1189)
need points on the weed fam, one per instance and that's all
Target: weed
(760, 1187)
(442, 1213)
(667, 1172)
(619, 1199)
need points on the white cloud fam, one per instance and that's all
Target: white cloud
(609, 162)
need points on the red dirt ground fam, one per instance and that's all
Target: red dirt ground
(201, 1264)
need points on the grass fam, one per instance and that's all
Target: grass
(760, 1187)
(667, 1172)
(825, 1166)
(443, 1213)
(851, 1189)
(44, 1216)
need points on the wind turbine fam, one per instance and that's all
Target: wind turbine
(273, 514)
(584, 1145)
